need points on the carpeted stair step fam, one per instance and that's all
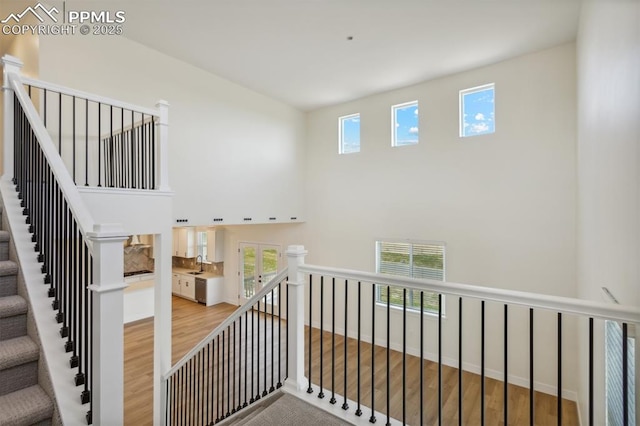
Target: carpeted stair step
(8, 278)
(13, 317)
(18, 364)
(4, 245)
(25, 407)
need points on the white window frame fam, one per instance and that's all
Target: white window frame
(341, 121)
(394, 121)
(411, 244)
(469, 91)
(199, 246)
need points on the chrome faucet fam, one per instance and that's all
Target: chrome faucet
(200, 256)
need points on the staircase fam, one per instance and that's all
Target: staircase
(22, 399)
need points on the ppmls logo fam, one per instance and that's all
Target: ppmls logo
(34, 11)
(100, 22)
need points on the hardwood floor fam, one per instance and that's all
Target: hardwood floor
(191, 322)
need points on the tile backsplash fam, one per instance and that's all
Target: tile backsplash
(137, 259)
(182, 262)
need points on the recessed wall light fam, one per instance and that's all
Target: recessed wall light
(349, 38)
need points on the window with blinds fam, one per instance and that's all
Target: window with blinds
(410, 259)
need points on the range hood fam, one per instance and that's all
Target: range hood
(135, 244)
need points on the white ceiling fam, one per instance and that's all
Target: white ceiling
(297, 50)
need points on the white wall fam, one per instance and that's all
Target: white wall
(608, 165)
(233, 152)
(505, 204)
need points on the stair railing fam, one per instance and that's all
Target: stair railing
(81, 261)
(104, 143)
(241, 361)
(396, 375)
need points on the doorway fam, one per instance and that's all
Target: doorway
(259, 263)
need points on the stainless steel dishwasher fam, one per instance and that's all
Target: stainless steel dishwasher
(201, 290)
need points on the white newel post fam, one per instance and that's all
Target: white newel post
(10, 65)
(162, 130)
(295, 286)
(162, 323)
(107, 392)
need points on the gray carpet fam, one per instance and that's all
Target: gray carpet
(291, 411)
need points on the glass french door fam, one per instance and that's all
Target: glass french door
(258, 265)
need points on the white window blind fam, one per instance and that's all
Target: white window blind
(410, 259)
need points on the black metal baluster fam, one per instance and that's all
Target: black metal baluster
(482, 345)
(258, 352)
(253, 375)
(107, 161)
(222, 415)
(286, 366)
(440, 359)
(233, 406)
(133, 152)
(321, 393)
(559, 401)
(345, 406)
(60, 123)
(266, 336)
(229, 378)
(153, 152)
(273, 337)
(246, 352)
(422, 357)
(86, 143)
(404, 356)
(506, 366)
(388, 366)
(333, 342)
(625, 376)
(531, 375)
(372, 418)
(239, 340)
(591, 418)
(279, 385)
(73, 147)
(358, 410)
(460, 412)
(309, 388)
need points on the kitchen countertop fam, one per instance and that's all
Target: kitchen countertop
(204, 275)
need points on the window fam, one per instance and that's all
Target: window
(404, 120)
(201, 244)
(410, 259)
(349, 134)
(477, 111)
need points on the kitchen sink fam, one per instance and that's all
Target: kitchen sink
(195, 273)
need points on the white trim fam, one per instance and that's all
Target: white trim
(90, 96)
(394, 108)
(341, 121)
(468, 91)
(124, 191)
(533, 300)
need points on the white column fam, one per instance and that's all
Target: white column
(162, 132)
(295, 285)
(10, 65)
(107, 392)
(161, 322)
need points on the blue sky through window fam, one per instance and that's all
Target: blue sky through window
(405, 121)
(477, 109)
(350, 134)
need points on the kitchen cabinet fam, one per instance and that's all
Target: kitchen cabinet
(175, 284)
(188, 287)
(183, 285)
(215, 245)
(184, 242)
